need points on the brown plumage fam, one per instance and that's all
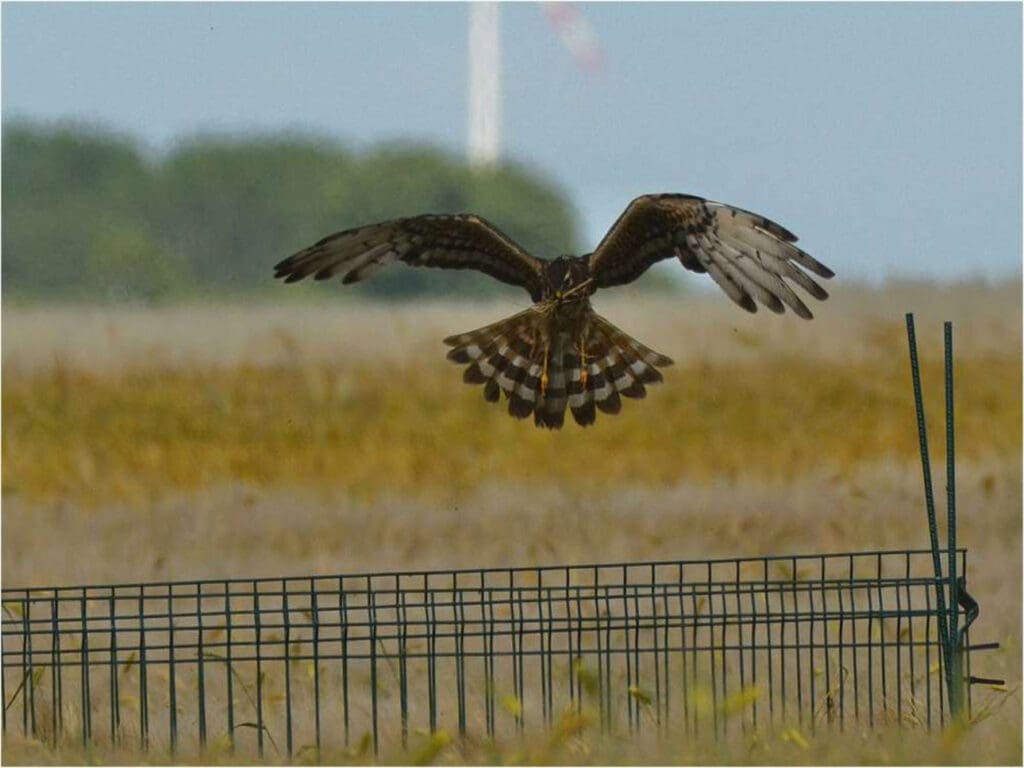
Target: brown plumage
(559, 354)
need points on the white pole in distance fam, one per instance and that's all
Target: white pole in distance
(484, 134)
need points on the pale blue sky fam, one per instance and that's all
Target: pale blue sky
(887, 136)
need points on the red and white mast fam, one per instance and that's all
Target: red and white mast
(484, 82)
(576, 34)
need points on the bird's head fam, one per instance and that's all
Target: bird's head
(564, 274)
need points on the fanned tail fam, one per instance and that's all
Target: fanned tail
(544, 375)
(616, 366)
(554, 392)
(501, 356)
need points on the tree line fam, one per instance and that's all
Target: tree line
(88, 214)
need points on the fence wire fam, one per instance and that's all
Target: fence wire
(288, 665)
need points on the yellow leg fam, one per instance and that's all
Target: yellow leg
(544, 374)
(583, 365)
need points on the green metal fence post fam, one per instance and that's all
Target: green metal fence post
(955, 668)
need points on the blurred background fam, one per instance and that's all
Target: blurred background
(166, 151)
(170, 411)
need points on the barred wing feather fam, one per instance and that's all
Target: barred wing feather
(748, 256)
(457, 241)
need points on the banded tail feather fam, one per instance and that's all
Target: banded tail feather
(544, 371)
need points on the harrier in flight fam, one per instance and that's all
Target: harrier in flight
(559, 353)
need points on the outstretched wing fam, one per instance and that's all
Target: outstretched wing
(457, 241)
(749, 256)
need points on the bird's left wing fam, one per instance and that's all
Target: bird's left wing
(456, 241)
(749, 256)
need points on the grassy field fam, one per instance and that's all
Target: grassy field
(198, 442)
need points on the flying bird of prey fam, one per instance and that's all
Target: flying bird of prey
(559, 353)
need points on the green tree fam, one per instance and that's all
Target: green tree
(232, 208)
(63, 188)
(126, 263)
(86, 216)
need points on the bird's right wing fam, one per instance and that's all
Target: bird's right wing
(447, 241)
(748, 255)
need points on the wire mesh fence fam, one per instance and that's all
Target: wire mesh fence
(714, 646)
(291, 665)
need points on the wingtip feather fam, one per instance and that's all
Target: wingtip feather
(802, 310)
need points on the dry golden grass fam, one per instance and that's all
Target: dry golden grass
(201, 442)
(416, 430)
(753, 404)
(848, 327)
(576, 741)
